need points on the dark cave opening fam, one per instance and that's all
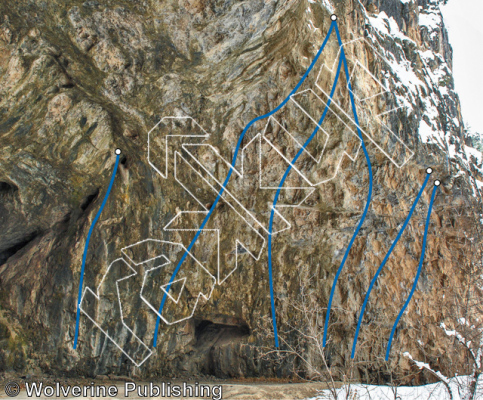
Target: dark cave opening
(88, 200)
(6, 187)
(214, 343)
(214, 334)
(123, 161)
(23, 242)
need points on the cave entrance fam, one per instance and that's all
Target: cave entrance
(211, 341)
(209, 334)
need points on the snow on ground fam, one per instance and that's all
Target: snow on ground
(372, 392)
(435, 391)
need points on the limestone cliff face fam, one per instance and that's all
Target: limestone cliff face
(81, 78)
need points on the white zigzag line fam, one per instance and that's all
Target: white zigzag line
(227, 193)
(295, 168)
(385, 91)
(169, 294)
(165, 175)
(237, 242)
(97, 296)
(241, 175)
(259, 138)
(168, 262)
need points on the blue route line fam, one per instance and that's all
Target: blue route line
(272, 213)
(401, 231)
(421, 260)
(235, 155)
(84, 257)
(369, 195)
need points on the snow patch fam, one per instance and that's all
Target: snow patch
(380, 23)
(373, 392)
(326, 3)
(387, 26)
(471, 152)
(406, 75)
(432, 22)
(426, 132)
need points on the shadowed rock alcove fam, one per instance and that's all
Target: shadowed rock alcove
(215, 344)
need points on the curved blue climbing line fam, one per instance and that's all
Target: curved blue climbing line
(369, 195)
(235, 155)
(421, 260)
(84, 257)
(394, 243)
(277, 194)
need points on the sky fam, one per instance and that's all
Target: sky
(464, 21)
